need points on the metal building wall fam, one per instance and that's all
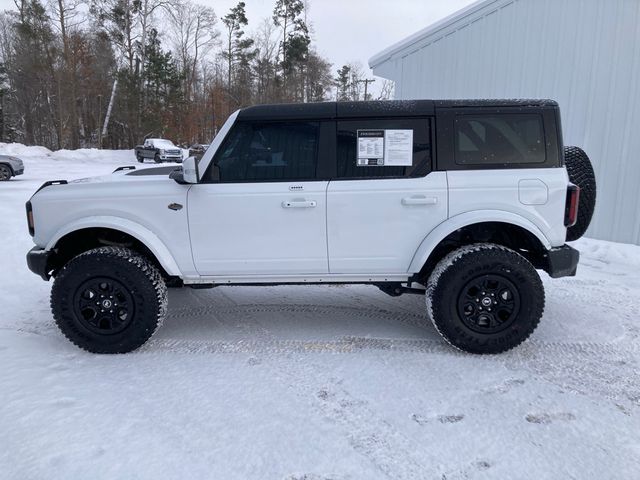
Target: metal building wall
(583, 53)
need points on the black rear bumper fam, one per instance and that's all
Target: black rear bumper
(39, 262)
(562, 261)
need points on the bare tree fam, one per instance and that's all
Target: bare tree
(387, 90)
(68, 18)
(266, 59)
(194, 35)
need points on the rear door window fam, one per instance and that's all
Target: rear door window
(497, 139)
(377, 135)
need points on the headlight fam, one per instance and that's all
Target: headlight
(161, 152)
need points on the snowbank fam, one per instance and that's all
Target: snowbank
(610, 252)
(20, 150)
(82, 155)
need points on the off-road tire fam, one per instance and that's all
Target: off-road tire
(448, 289)
(157, 159)
(140, 159)
(581, 174)
(146, 294)
(5, 172)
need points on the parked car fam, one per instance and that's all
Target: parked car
(198, 149)
(159, 150)
(10, 167)
(459, 201)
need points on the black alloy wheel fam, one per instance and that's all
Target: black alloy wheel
(104, 305)
(489, 303)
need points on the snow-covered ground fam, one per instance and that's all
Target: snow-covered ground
(314, 382)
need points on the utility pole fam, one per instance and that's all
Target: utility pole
(366, 82)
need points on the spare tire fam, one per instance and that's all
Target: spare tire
(581, 174)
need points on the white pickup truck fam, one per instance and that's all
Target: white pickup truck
(463, 200)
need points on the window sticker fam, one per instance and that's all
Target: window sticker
(379, 148)
(398, 148)
(370, 148)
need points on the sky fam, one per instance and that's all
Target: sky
(355, 30)
(349, 30)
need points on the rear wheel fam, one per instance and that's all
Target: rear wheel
(581, 174)
(5, 173)
(485, 298)
(140, 158)
(109, 300)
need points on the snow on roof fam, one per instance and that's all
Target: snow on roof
(436, 30)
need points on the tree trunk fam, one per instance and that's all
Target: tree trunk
(110, 107)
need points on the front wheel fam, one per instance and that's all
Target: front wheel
(485, 298)
(157, 159)
(109, 300)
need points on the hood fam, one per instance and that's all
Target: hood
(141, 196)
(13, 161)
(129, 173)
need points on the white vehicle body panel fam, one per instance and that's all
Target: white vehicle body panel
(259, 228)
(376, 225)
(503, 190)
(137, 205)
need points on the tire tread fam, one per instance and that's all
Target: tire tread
(149, 270)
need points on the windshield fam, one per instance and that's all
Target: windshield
(163, 144)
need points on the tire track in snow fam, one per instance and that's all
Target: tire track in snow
(370, 435)
(413, 319)
(350, 344)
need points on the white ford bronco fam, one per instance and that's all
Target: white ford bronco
(461, 200)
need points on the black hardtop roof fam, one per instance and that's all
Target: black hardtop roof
(384, 108)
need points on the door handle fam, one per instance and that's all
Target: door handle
(299, 204)
(419, 200)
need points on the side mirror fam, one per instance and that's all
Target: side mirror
(188, 173)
